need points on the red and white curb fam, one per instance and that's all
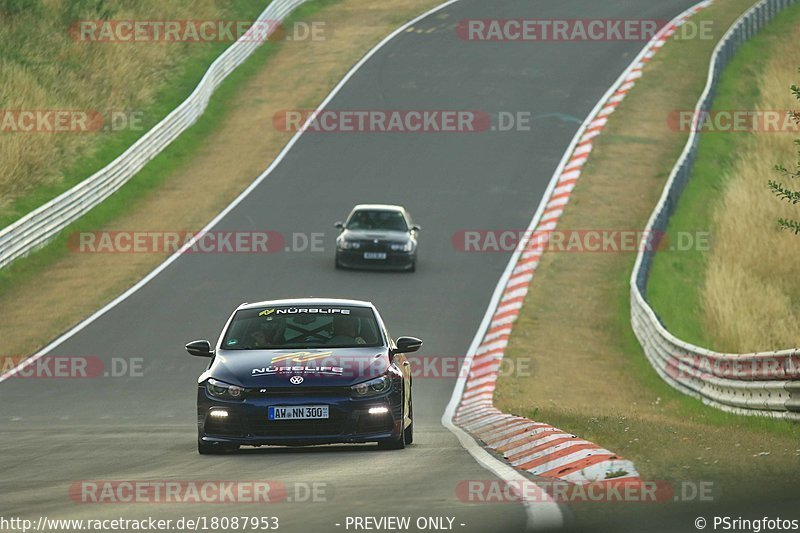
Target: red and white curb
(533, 447)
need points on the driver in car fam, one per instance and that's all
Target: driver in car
(345, 331)
(269, 333)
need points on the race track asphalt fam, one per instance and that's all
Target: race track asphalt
(56, 432)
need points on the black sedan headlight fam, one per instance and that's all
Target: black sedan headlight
(224, 391)
(373, 387)
(402, 246)
(348, 245)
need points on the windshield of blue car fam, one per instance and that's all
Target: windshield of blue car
(373, 219)
(274, 328)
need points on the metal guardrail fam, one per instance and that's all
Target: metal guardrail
(39, 226)
(766, 383)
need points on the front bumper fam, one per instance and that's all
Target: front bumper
(349, 420)
(393, 261)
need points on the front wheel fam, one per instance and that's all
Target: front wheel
(393, 444)
(406, 436)
(408, 433)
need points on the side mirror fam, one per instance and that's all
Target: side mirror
(200, 349)
(416, 227)
(338, 225)
(407, 345)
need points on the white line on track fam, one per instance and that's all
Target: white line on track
(544, 512)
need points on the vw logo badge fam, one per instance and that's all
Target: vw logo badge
(296, 380)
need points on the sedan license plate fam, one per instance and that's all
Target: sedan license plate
(298, 412)
(374, 255)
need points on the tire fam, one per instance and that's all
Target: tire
(211, 448)
(337, 264)
(413, 267)
(393, 444)
(406, 436)
(408, 433)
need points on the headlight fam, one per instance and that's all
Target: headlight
(224, 391)
(348, 245)
(372, 387)
(402, 246)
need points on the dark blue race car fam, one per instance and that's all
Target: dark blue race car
(305, 371)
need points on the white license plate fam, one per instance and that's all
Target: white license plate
(374, 255)
(298, 412)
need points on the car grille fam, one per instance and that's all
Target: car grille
(371, 246)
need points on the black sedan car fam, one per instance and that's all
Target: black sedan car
(377, 236)
(304, 371)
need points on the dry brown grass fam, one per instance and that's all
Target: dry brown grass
(243, 145)
(43, 68)
(590, 376)
(751, 296)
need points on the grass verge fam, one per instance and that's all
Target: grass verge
(146, 80)
(739, 294)
(590, 375)
(231, 145)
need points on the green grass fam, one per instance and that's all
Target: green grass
(185, 76)
(676, 279)
(625, 406)
(157, 171)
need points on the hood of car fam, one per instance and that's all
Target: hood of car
(318, 367)
(366, 235)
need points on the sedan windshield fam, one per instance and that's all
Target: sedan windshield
(274, 328)
(372, 219)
